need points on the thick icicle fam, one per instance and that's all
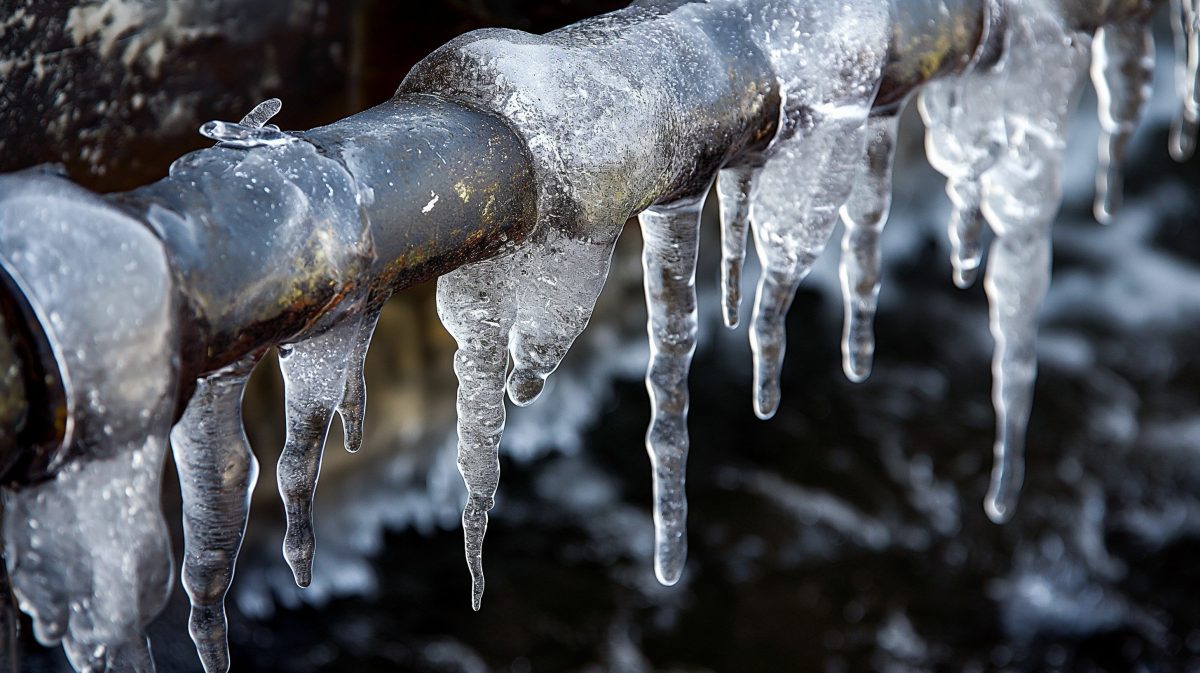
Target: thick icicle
(1022, 194)
(557, 288)
(671, 241)
(476, 306)
(864, 217)
(217, 473)
(963, 139)
(734, 186)
(353, 407)
(1123, 72)
(811, 163)
(793, 212)
(314, 379)
(1185, 22)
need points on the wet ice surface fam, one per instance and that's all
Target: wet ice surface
(1003, 162)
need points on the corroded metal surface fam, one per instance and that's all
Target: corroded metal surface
(930, 38)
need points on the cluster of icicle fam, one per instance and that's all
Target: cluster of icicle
(591, 101)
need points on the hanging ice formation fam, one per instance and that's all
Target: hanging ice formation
(638, 112)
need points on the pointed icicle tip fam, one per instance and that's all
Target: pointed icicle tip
(524, 387)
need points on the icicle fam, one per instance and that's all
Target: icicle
(1185, 23)
(8, 615)
(555, 297)
(793, 213)
(963, 139)
(314, 378)
(864, 216)
(89, 554)
(671, 240)
(1022, 194)
(353, 408)
(217, 473)
(476, 306)
(1123, 72)
(734, 186)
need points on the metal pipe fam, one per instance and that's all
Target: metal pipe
(435, 184)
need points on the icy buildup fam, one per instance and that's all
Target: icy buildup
(1185, 23)
(314, 379)
(734, 189)
(87, 549)
(1036, 87)
(963, 140)
(617, 120)
(217, 473)
(1123, 74)
(863, 216)
(671, 241)
(829, 60)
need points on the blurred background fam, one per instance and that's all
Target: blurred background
(846, 534)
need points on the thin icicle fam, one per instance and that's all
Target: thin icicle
(864, 216)
(734, 186)
(1123, 72)
(476, 305)
(671, 241)
(314, 378)
(793, 212)
(217, 473)
(1185, 23)
(963, 138)
(353, 407)
(1022, 194)
(9, 619)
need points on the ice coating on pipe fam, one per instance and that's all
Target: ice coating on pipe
(217, 473)
(1123, 74)
(671, 241)
(864, 216)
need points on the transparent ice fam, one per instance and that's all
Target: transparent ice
(217, 473)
